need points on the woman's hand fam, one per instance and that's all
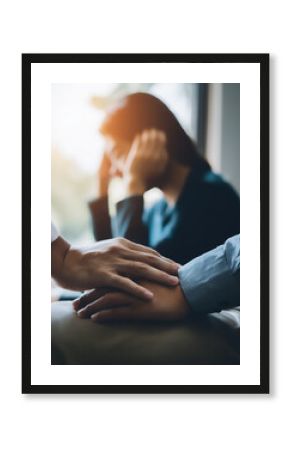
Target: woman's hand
(103, 176)
(168, 304)
(146, 161)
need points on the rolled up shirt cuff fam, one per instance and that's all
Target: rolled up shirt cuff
(99, 206)
(129, 217)
(211, 282)
(101, 220)
(131, 205)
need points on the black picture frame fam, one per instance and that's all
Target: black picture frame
(263, 61)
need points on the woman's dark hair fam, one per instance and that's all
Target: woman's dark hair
(141, 111)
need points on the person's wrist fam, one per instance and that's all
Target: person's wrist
(182, 303)
(102, 186)
(61, 261)
(73, 275)
(134, 185)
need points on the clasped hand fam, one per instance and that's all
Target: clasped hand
(140, 168)
(101, 305)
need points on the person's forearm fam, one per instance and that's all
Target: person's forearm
(66, 267)
(102, 187)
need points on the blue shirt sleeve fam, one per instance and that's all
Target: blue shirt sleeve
(211, 282)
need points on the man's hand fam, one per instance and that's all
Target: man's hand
(113, 263)
(146, 161)
(167, 304)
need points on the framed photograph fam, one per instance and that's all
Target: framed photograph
(142, 176)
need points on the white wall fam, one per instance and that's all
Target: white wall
(223, 131)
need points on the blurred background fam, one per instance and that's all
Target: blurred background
(210, 113)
